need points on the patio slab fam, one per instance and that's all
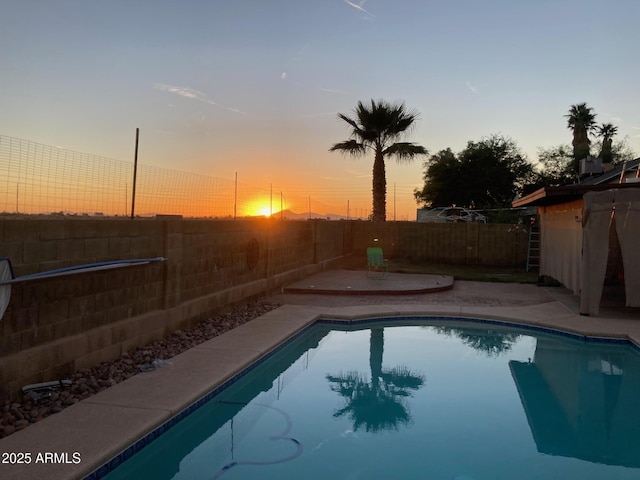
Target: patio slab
(352, 282)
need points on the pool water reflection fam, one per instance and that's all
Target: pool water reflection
(418, 400)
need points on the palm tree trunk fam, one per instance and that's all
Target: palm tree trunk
(379, 188)
(605, 152)
(580, 148)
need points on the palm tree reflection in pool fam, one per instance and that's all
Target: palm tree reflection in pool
(378, 404)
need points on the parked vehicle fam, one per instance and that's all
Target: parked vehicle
(451, 215)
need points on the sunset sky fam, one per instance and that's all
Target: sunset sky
(254, 86)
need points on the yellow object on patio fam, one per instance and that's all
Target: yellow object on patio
(376, 263)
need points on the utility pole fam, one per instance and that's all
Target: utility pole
(135, 173)
(235, 197)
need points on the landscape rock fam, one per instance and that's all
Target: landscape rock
(18, 415)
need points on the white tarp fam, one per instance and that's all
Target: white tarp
(561, 239)
(600, 209)
(596, 223)
(627, 217)
(575, 244)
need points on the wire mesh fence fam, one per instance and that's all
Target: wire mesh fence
(43, 179)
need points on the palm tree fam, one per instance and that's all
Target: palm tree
(378, 127)
(581, 120)
(606, 131)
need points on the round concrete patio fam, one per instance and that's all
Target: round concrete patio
(353, 282)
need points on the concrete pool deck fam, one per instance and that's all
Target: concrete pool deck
(100, 427)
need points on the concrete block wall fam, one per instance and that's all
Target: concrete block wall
(332, 239)
(44, 310)
(454, 243)
(215, 256)
(54, 326)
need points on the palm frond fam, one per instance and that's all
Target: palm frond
(607, 130)
(350, 121)
(349, 147)
(405, 151)
(581, 116)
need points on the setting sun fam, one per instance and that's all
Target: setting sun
(260, 208)
(265, 211)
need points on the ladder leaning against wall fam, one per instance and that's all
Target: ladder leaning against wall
(533, 252)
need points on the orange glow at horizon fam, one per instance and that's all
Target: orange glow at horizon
(39, 182)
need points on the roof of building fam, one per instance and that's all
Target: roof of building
(565, 193)
(611, 175)
(568, 193)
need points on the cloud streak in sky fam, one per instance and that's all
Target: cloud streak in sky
(473, 88)
(359, 7)
(193, 94)
(186, 92)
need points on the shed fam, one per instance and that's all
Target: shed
(585, 228)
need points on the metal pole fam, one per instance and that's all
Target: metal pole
(135, 173)
(235, 197)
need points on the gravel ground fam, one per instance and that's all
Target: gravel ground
(17, 415)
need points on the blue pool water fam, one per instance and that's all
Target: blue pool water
(438, 400)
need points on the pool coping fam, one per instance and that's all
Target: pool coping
(102, 428)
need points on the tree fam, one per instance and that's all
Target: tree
(556, 163)
(487, 173)
(581, 120)
(441, 170)
(606, 131)
(378, 127)
(556, 166)
(494, 171)
(621, 151)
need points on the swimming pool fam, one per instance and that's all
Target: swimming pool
(414, 398)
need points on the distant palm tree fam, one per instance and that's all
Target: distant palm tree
(378, 127)
(581, 120)
(606, 131)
